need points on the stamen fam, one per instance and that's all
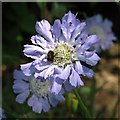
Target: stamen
(39, 88)
(63, 54)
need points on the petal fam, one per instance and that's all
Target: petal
(81, 57)
(52, 99)
(57, 28)
(68, 86)
(45, 105)
(77, 30)
(22, 97)
(38, 40)
(75, 79)
(64, 75)
(93, 60)
(33, 51)
(60, 97)
(37, 106)
(90, 41)
(31, 100)
(68, 17)
(98, 18)
(20, 86)
(26, 68)
(42, 65)
(49, 71)
(88, 72)
(41, 74)
(78, 67)
(57, 70)
(56, 87)
(18, 75)
(43, 28)
(89, 53)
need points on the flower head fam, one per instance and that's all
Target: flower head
(40, 97)
(59, 51)
(102, 28)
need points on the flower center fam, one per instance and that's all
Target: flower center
(63, 54)
(39, 88)
(95, 29)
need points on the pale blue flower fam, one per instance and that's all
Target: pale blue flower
(59, 50)
(38, 92)
(103, 29)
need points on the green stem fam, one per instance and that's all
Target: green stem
(92, 95)
(85, 112)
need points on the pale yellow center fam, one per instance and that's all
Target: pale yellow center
(63, 54)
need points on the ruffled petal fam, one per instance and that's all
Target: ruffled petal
(75, 79)
(56, 88)
(68, 25)
(90, 41)
(57, 28)
(78, 68)
(63, 76)
(88, 72)
(38, 40)
(42, 66)
(77, 31)
(68, 17)
(26, 68)
(93, 60)
(49, 71)
(33, 51)
(43, 28)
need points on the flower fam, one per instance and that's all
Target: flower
(40, 97)
(2, 115)
(59, 52)
(102, 28)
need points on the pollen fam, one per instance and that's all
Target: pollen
(63, 54)
(38, 88)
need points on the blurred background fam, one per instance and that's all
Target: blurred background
(100, 94)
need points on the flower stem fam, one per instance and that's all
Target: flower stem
(85, 112)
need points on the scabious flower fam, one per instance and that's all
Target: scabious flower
(2, 115)
(102, 28)
(59, 51)
(38, 93)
